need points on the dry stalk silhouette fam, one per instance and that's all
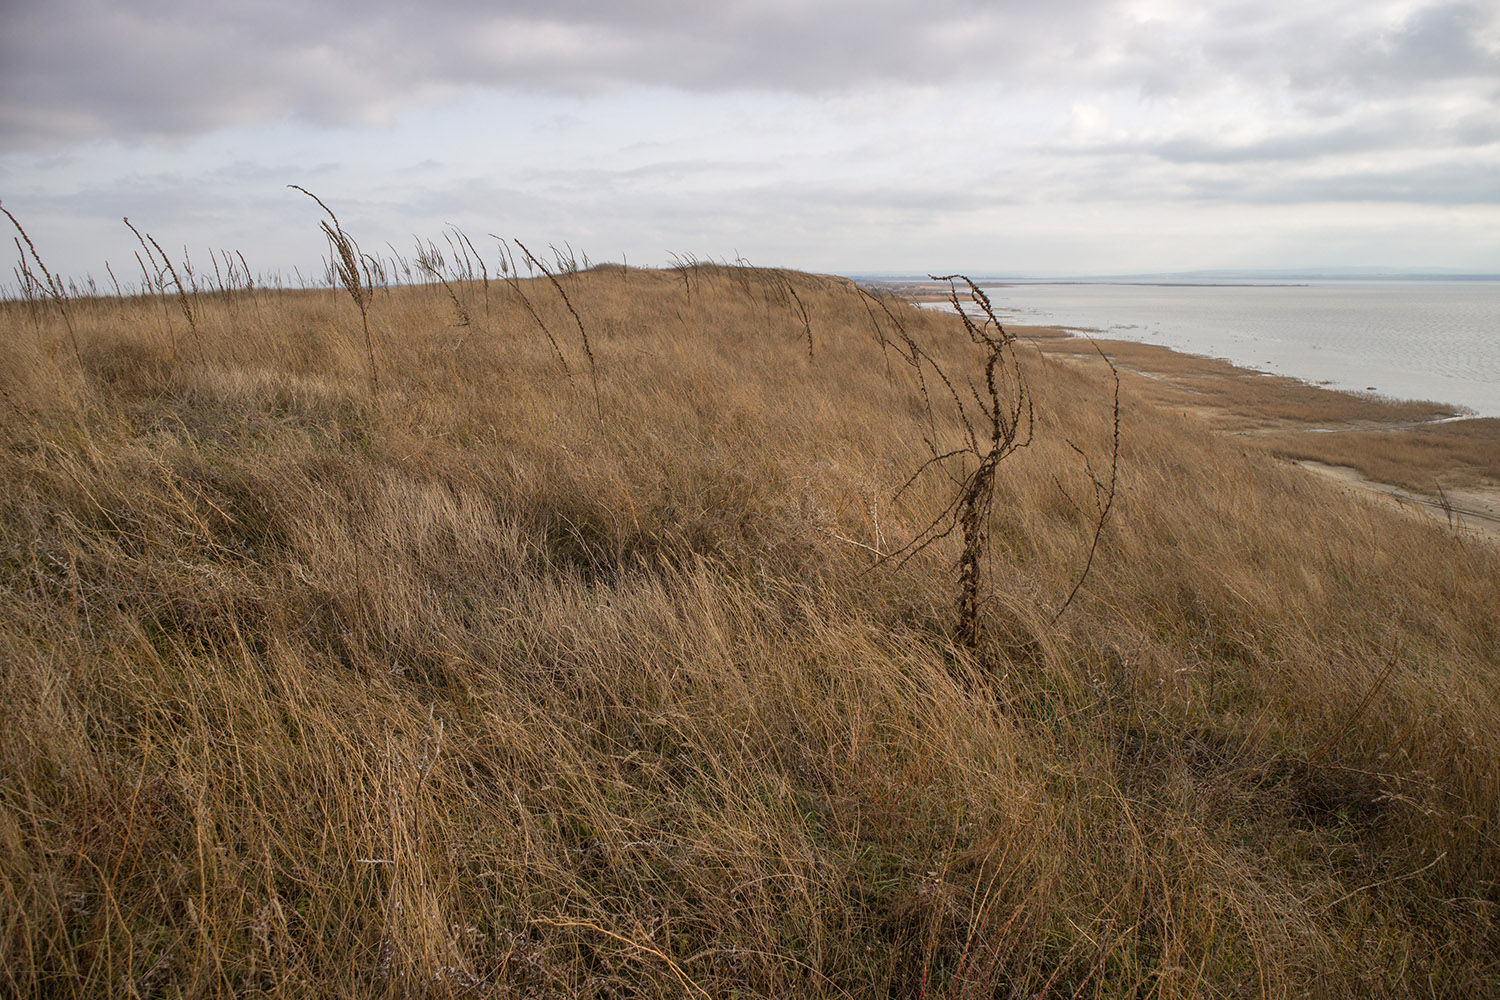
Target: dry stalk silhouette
(588, 350)
(1104, 493)
(484, 273)
(431, 262)
(52, 286)
(997, 418)
(148, 244)
(786, 282)
(512, 277)
(345, 264)
(880, 337)
(681, 264)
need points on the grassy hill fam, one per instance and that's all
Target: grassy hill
(556, 641)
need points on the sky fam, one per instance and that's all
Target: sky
(849, 136)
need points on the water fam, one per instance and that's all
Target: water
(1435, 340)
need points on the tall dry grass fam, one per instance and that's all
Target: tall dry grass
(485, 685)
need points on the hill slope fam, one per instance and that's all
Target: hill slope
(520, 675)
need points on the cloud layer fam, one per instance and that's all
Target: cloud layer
(81, 69)
(745, 118)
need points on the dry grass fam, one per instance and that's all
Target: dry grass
(1408, 443)
(1460, 453)
(485, 686)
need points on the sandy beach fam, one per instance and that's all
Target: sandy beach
(1422, 458)
(1414, 456)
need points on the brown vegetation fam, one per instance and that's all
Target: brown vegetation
(1423, 458)
(1397, 445)
(494, 682)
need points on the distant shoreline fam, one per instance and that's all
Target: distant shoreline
(1449, 460)
(1426, 458)
(1157, 284)
(1411, 340)
(893, 279)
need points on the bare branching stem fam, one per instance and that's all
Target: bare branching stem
(995, 417)
(1104, 494)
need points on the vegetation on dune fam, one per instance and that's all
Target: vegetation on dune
(1462, 450)
(588, 634)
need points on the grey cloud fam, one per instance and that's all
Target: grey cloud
(165, 201)
(1327, 83)
(1300, 141)
(602, 213)
(74, 69)
(1278, 148)
(1440, 184)
(152, 202)
(79, 69)
(248, 171)
(1343, 59)
(1436, 43)
(674, 169)
(586, 191)
(1478, 129)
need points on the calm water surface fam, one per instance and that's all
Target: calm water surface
(1408, 339)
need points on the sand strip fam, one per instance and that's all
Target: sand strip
(1450, 465)
(1473, 512)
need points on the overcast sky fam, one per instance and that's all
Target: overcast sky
(842, 135)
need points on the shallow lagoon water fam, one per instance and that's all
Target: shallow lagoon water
(1435, 340)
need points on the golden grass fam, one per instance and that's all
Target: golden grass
(1424, 458)
(483, 686)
